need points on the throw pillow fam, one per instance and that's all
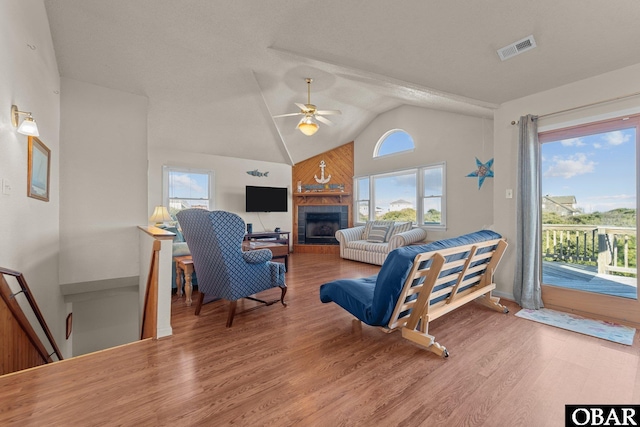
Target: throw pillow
(378, 233)
(370, 224)
(180, 249)
(400, 227)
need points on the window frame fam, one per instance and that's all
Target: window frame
(617, 309)
(443, 205)
(357, 199)
(420, 197)
(166, 169)
(383, 139)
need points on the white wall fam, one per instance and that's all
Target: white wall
(103, 198)
(230, 180)
(105, 320)
(439, 137)
(30, 227)
(606, 86)
(103, 181)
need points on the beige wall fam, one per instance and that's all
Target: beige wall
(103, 198)
(103, 182)
(30, 227)
(599, 88)
(230, 180)
(439, 137)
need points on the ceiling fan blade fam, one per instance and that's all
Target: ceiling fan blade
(287, 115)
(329, 112)
(301, 106)
(323, 120)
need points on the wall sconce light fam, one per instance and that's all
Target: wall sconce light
(160, 216)
(28, 125)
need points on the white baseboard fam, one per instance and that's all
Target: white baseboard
(505, 295)
(165, 332)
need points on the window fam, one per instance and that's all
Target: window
(416, 195)
(393, 142)
(395, 196)
(362, 199)
(432, 194)
(187, 188)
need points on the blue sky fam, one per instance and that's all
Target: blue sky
(599, 170)
(395, 142)
(189, 185)
(392, 188)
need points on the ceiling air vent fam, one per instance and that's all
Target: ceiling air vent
(516, 48)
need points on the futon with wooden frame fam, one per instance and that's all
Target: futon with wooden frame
(418, 284)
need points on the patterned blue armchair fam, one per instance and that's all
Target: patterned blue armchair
(224, 270)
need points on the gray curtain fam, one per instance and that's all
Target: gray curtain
(526, 286)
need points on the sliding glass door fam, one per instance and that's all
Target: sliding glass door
(589, 214)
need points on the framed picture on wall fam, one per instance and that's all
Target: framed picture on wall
(39, 162)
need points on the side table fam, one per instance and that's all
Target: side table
(184, 264)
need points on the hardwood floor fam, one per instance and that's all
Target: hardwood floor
(306, 365)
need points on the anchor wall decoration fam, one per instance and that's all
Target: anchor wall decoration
(322, 179)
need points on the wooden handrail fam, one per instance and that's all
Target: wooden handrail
(21, 319)
(150, 313)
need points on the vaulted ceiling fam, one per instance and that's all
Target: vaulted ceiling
(216, 71)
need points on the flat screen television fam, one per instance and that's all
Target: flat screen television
(266, 199)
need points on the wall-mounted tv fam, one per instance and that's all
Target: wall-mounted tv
(266, 199)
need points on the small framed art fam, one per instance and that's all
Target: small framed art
(39, 162)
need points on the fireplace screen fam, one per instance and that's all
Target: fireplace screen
(321, 227)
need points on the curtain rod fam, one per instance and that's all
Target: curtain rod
(515, 122)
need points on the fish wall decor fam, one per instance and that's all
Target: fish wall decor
(255, 172)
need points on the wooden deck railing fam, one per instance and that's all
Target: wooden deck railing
(20, 344)
(591, 244)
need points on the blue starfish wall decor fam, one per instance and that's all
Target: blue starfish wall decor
(483, 171)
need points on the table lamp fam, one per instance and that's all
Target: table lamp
(160, 216)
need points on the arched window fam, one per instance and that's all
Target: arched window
(393, 142)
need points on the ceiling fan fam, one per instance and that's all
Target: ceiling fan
(310, 113)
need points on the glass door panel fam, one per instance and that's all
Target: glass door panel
(589, 204)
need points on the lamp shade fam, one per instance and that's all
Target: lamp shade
(29, 127)
(308, 126)
(160, 215)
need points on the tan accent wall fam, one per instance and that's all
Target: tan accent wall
(339, 164)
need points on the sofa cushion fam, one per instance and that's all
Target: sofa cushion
(370, 224)
(400, 227)
(181, 249)
(379, 233)
(363, 245)
(354, 295)
(174, 229)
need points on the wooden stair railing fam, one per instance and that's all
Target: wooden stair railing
(150, 312)
(20, 344)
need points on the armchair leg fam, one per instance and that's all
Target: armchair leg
(232, 312)
(284, 291)
(199, 303)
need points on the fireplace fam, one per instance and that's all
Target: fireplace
(321, 227)
(317, 225)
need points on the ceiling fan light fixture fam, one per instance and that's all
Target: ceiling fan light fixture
(308, 126)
